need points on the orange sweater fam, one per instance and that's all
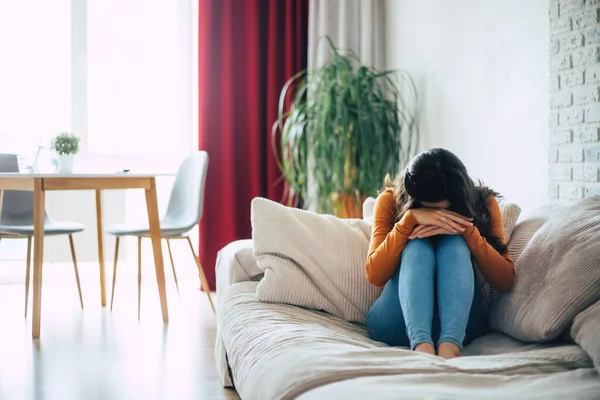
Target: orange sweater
(388, 240)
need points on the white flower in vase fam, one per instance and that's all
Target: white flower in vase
(66, 145)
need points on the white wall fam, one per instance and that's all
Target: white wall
(481, 69)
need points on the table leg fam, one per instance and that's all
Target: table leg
(156, 237)
(100, 247)
(39, 200)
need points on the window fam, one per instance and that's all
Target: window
(121, 74)
(118, 73)
(35, 72)
(133, 77)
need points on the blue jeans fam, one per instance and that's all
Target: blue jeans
(408, 312)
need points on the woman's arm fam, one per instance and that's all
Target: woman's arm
(497, 269)
(387, 239)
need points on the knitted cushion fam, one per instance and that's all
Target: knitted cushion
(557, 276)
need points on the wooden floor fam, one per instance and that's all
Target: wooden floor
(98, 354)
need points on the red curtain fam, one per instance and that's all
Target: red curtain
(248, 49)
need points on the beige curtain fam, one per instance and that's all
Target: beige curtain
(352, 24)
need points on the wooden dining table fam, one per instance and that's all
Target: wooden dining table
(41, 183)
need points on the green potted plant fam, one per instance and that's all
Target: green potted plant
(66, 145)
(358, 123)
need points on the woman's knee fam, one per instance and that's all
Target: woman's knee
(419, 245)
(421, 250)
(452, 244)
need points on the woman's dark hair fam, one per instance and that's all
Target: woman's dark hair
(436, 175)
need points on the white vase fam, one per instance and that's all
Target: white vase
(65, 164)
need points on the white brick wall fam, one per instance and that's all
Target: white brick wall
(574, 83)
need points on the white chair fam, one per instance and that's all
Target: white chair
(16, 222)
(183, 214)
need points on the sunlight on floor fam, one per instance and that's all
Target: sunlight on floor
(96, 353)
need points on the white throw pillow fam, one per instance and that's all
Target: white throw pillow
(311, 260)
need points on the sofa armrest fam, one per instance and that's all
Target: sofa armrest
(236, 263)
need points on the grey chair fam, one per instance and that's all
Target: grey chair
(184, 211)
(16, 222)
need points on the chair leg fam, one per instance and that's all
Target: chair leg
(202, 275)
(27, 273)
(139, 273)
(172, 263)
(76, 270)
(114, 277)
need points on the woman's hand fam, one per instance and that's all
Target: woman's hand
(448, 220)
(425, 231)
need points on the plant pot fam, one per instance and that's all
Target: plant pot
(65, 164)
(347, 205)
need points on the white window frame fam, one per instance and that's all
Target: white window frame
(188, 31)
(188, 84)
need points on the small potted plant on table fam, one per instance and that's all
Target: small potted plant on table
(66, 145)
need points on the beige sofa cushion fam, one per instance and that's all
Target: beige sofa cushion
(520, 234)
(527, 226)
(558, 276)
(586, 332)
(510, 214)
(311, 260)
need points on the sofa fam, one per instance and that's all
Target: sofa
(281, 351)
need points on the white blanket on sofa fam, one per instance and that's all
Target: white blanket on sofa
(279, 351)
(577, 384)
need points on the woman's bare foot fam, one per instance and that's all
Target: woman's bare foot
(426, 348)
(448, 350)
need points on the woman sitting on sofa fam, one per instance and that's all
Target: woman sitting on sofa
(432, 228)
